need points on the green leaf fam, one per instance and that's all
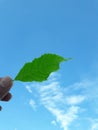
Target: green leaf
(40, 68)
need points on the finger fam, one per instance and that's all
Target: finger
(7, 97)
(5, 86)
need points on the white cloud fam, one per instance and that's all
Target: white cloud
(75, 99)
(65, 103)
(50, 94)
(94, 124)
(64, 117)
(32, 104)
(28, 88)
(53, 122)
(54, 100)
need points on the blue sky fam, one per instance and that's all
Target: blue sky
(68, 100)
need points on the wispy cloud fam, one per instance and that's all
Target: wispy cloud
(67, 103)
(94, 124)
(32, 104)
(28, 88)
(64, 117)
(54, 100)
(53, 122)
(75, 99)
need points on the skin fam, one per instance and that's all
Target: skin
(5, 86)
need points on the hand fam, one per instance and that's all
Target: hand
(5, 86)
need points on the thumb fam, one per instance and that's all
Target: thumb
(5, 86)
